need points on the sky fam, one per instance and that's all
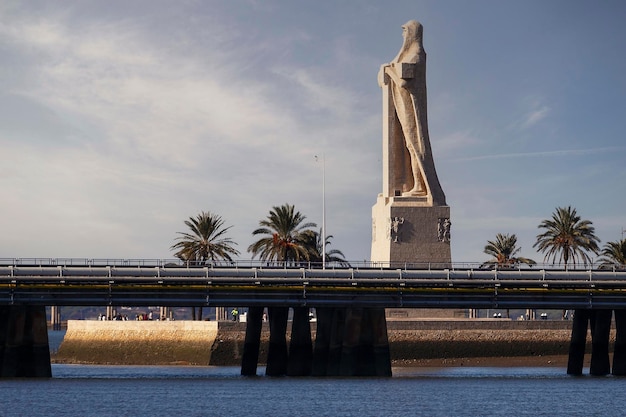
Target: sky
(121, 119)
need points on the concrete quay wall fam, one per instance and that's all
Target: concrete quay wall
(221, 344)
(137, 342)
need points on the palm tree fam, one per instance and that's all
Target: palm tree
(567, 237)
(503, 250)
(614, 255)
(285, 236)
(205, 241)
(313, 242)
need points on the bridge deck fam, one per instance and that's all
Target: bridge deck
(375, 287)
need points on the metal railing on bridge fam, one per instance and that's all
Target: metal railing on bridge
(247, 263)
(183, 285)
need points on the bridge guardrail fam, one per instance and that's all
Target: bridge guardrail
(356, 265)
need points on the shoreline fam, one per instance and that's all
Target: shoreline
(411, 344)
(548, 361)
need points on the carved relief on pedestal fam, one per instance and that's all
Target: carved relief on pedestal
(443, 230)
(393, 230)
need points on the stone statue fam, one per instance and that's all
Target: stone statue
(405, 77)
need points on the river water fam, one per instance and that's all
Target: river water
(87, 390)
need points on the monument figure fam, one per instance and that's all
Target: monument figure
(411, 188)
(412, 166)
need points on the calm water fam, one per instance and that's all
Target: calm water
(86, 390)
(81, 390)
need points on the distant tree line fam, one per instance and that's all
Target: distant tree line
(566, 240)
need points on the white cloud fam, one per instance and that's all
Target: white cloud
(534, 111)
(535, 117)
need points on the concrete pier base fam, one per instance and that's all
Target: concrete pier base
(600, 323)
(619, 349)
(277, 354)
(600, 331)
(301, 347)
(351, 342)
(297, 361)
(24, 349)
(322, 341)
(578, 342)
(252, 343)
(55, 317)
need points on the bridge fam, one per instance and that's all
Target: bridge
(338, 294)
(289, 286)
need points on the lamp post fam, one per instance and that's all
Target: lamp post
(323, 210)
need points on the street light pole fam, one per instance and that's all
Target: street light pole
(323, 211)
(323, 237)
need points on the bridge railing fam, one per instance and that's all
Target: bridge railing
(173, 262)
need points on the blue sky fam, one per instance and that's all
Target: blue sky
(121, 119)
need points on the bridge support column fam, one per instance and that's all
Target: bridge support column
(578, 342)
(619, 350)
(335, 345)
(366, 348)
(351, 342)
(24, 349)
(277, 354)
(600, 332)
(300, 346)
(322, 341)
(110, 313)
(252, 343)
(55, 317)
(382, 355)
(600, 323)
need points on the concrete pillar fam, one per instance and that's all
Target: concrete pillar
(252, 343)
(335, 345)
(110, 313)
(578, 342)
(357, 357)
(166, 313)
(55, 317)
(322, 341)
(277, 354)
(351, 342)
(600, 331)
(382, 354)
(365, 349)
(24, 349)
(619, 350)
(301, 347)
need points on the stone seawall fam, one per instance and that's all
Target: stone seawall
(138, 342)
(202, 343)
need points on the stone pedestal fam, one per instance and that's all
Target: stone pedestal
(408, 231)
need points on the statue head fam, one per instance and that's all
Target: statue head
(412, 31)
(412, 45)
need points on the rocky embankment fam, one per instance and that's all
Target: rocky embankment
(411, 342)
